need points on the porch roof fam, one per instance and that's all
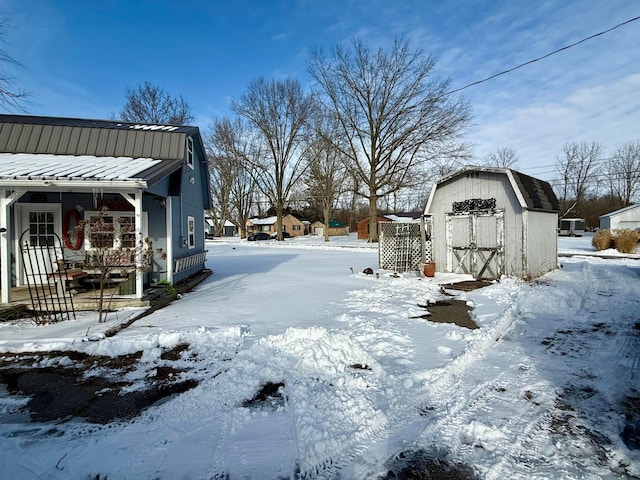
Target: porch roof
(27, 169)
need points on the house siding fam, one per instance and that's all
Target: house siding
(190, 204)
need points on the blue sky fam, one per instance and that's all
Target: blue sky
(79, 58)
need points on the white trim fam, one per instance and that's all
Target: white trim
(72, 185)
(191, 232)
(6, 246)
(19, 210)
(116, 213)
(170, 239)
(190, 153)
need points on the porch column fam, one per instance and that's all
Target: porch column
(6, 233)
(139, 241)
(136, 201)
(170, 239)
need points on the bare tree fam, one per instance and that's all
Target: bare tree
(395, 116)
(326, 175)
(279, 111)
(623, 173)
(577, 167)
(151, 104)
(231, 153)
(11, 96)
(501, 157)
(221, 173)
(114, 251)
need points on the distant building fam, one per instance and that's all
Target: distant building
(290, 224)
(628, 217)
(336, 228)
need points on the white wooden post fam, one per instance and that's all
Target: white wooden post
(6, 232)
(136, 201)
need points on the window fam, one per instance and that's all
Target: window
(190, 152)
(191, 232)
(41, 232)
(296, 227)
(110, 230)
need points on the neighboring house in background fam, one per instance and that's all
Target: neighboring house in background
(404, 217)
(229, 229)
(336, 228)
(628, 217)
(55, 172)
(489, 222)
(290, 224)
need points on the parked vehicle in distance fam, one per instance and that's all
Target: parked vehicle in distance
(258, 236)
(284, 235)
(571, 227)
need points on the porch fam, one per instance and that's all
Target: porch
(25, 301)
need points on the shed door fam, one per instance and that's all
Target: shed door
(475, 243)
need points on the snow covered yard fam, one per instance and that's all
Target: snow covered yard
(307, 368)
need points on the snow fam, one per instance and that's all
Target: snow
(535, 392)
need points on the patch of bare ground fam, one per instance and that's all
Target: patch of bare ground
(424, 465)
(66, 385)
(449, 311)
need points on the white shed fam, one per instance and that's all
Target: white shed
(489, 222)
(628, 217)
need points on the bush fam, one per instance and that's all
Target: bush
(602, 240)
(625, 240)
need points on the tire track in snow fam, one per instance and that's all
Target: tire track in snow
(529, 444)
(393, 380)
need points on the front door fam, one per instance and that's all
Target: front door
(475, 243)
(39, 233)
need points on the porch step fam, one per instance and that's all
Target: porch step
(11, 311)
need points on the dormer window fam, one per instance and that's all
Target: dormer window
(190, 152)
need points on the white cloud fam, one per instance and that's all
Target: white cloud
(606, 113)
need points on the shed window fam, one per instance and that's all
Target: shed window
(190, 152)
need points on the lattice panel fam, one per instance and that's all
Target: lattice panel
(401, 247)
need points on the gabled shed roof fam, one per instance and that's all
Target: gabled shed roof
(532, 193)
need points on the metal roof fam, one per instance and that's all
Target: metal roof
(18, 167)
(101, 138)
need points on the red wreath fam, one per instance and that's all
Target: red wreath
(65, 230)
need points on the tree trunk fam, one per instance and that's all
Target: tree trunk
(279, 209)
(326, 224)
(373, 217)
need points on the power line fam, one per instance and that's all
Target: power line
(542, 57)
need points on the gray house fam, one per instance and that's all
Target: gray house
(628, 217)
(55, 172)
(489, 222)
